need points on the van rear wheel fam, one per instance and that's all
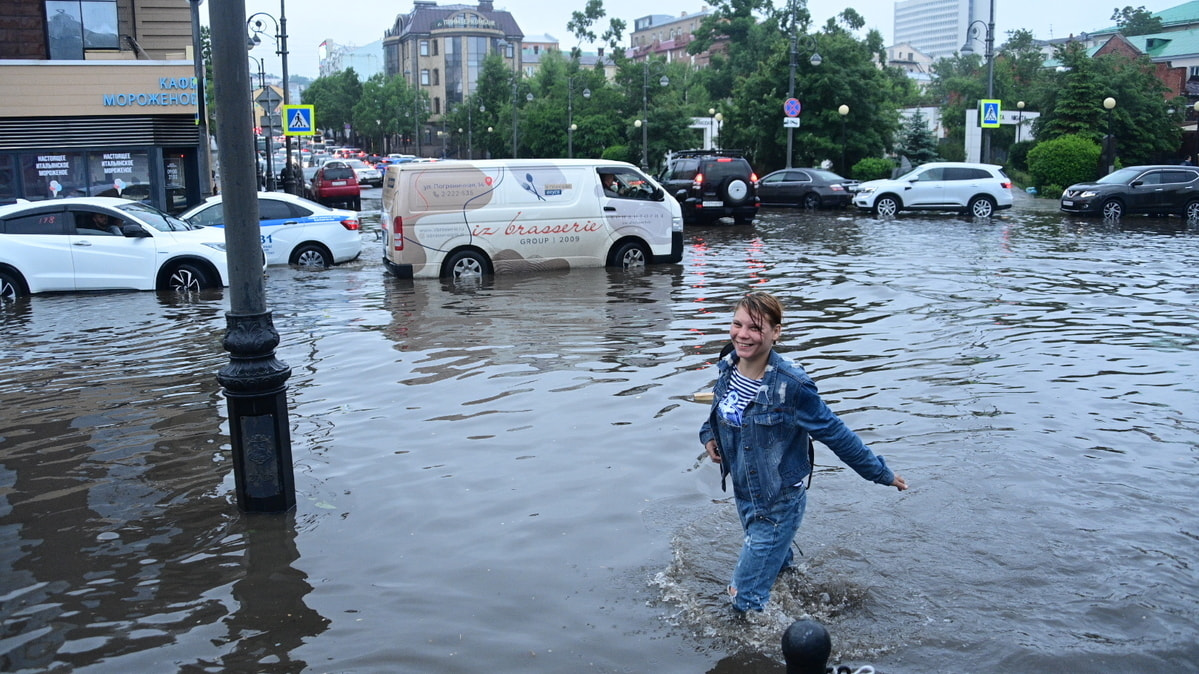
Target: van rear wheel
(465, 264)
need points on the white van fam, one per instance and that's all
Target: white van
(456, 218)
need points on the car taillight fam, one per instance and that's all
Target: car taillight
(350, 224)
(397, 233)
(1007, 185)
(836, 188)
(698, 179)
(753, 178)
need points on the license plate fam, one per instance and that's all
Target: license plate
(338, 183)
(713, 204)
(1067, 202)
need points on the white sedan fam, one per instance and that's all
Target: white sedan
(104, 243)
(294, 230)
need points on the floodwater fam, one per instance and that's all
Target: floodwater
(506, 477)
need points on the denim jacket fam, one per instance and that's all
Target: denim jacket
(770, 448)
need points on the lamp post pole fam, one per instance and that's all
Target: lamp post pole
(968, 48)
(644, 121)
(1019, 119)
(1109, 146)
(809, 45)
(843, 110)
(254, 380)
(269, 178)
(258, 28)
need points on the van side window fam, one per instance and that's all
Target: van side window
(627, 183)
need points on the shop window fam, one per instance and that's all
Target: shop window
(120, 174)
(73, 26)
(53, 175)
(8, 179)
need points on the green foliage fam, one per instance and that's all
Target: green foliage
(1139, 21)
(334, 97)
(1018, 155)
(872, 168)
(916, 141)
(1063, 161)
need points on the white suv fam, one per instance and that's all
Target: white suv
(104, 243)
(976, 189)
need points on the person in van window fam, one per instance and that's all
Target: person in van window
(763, 411)
(610, 185)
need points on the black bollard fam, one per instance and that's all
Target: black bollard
(806, 647)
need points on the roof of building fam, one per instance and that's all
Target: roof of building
(427, 16)
(1172, 18)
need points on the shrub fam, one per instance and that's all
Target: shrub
(1018, 154)
(1064, 160)
(872, 168)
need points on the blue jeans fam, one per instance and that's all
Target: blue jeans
(767, 547)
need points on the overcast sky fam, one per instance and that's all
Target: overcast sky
(360, 22)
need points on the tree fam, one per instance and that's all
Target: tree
(916, 141)
(1139, 21)
(334, 98)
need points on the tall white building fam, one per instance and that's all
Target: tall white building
(938, 27)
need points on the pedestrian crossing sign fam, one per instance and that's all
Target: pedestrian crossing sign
(989, 114)
(299, 120)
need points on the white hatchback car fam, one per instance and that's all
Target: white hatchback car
(294, 230)
(976, 189)
(104, 243)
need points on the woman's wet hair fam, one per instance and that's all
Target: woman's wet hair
(763, 307)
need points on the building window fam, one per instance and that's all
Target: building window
(73, 26)
(436, 105)
(435, 47)
(424, 77)
(424, 47)
(436, 77)
(1194, 71)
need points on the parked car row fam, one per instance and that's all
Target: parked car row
(110, 243)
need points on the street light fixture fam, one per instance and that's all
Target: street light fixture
(643, 123)
(266, 133)
(843, 110)
(1109, 143)
(809, 44)
(1019, 119)
(719, 117)
(257, 29)
(972, 33)
(571, 127)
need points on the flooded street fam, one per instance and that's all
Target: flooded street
(507, 476)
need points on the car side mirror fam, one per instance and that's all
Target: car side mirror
(1136, 183)
(681, 195)
(132, 231)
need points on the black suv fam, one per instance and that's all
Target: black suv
(712, 184)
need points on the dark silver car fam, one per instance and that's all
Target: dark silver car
(1162, 189)
(809, 188)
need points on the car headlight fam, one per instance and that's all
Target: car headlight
(1088, 194)
(216, 245)
(866, 190)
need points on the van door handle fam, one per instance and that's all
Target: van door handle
(609, 208)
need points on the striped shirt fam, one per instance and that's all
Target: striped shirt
(742, 390)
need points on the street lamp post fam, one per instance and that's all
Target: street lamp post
(972, 32)
(571, 127)
(843, 110)
(269, 178)
(643, 123)
(254, 380)
(816, 60)
(256, 26)
(1109, 143)
(1019, 119)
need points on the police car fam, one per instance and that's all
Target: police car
(294, 230)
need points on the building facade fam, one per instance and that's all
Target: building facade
(99, 97)
(440, 49)
(668, 37)
(939, 28)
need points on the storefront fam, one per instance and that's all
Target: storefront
(100, 128)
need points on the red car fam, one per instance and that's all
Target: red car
(334, 183)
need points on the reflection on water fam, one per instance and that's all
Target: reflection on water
(506, 475)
